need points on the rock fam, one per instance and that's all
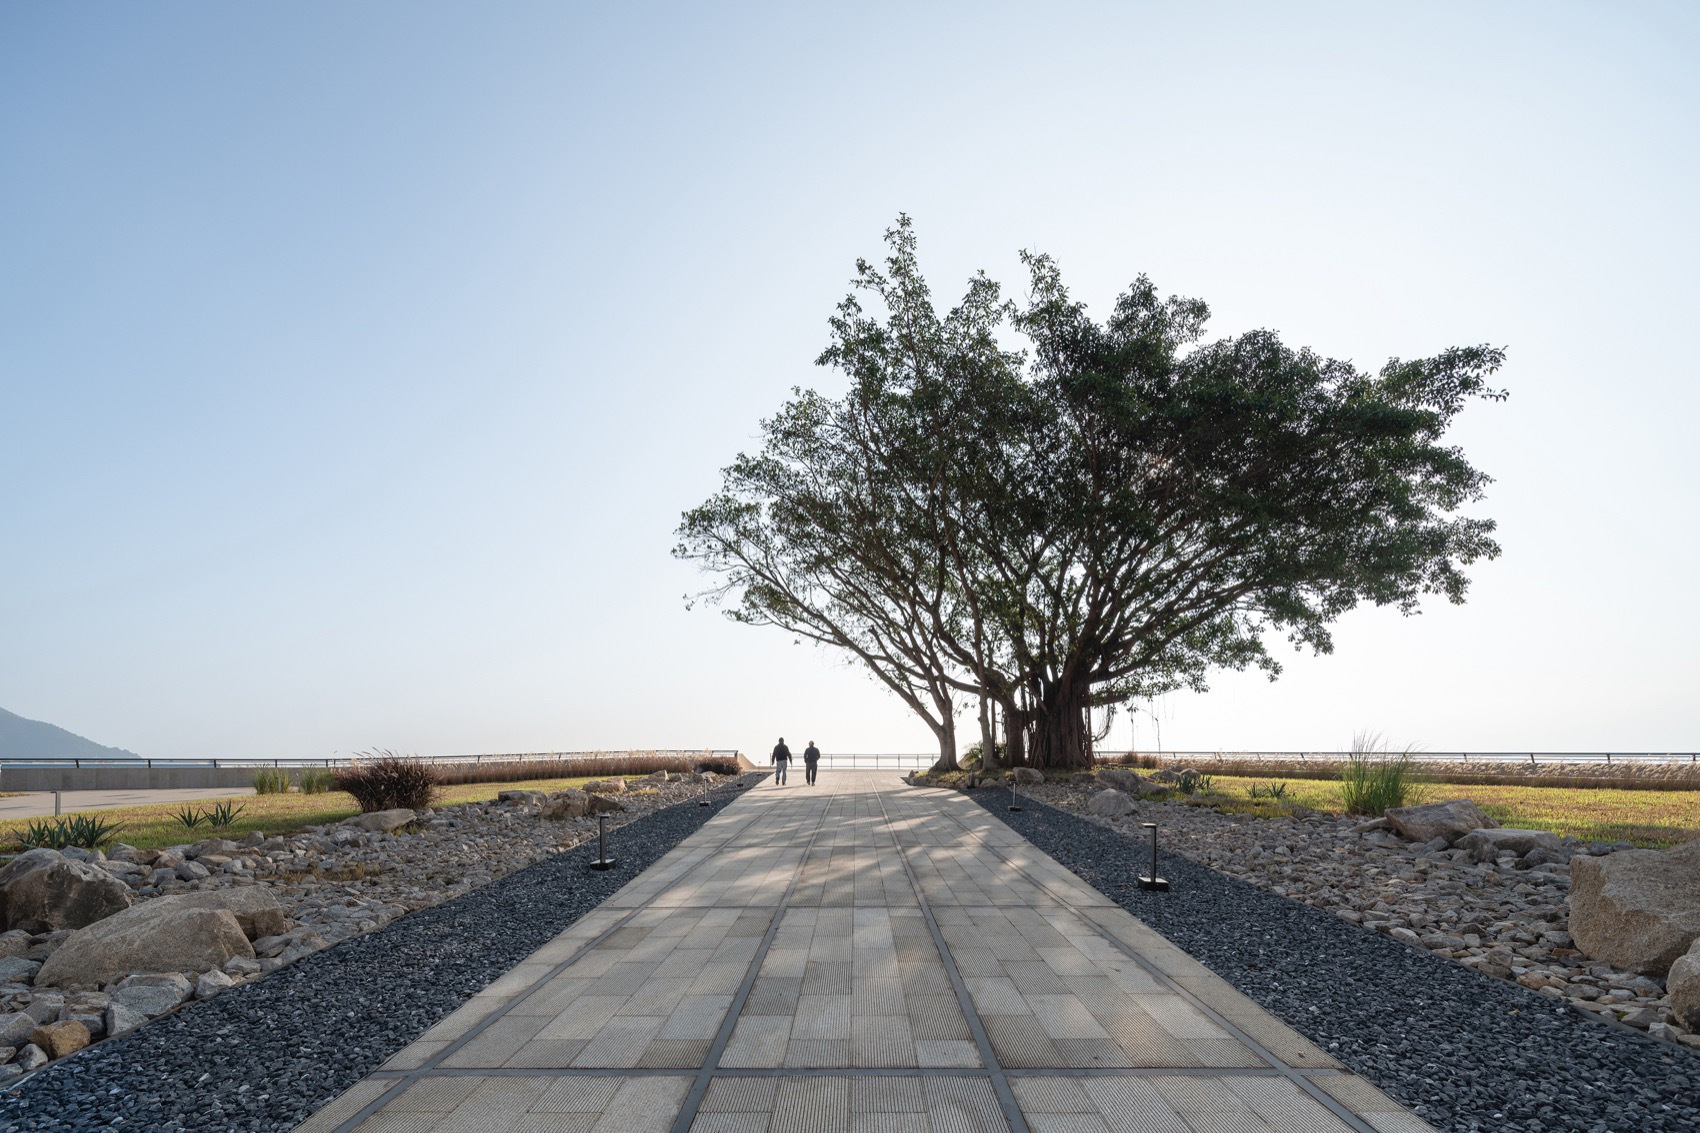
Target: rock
(255, 909)
(606, 787)
(16, 1028)
(14, 943)
(95, 1021)
(1682, 984)
(381, 820)
(209, 984)
(16, 969)
(209, 846)
(120, 1018)
(60, 1039)
(657, 776)
(1110, 803)
(32, 1057)
(567, 804)
(1127, 781)
(242, 966)
(1641, 1017)
(1450, 820)
(602, 804)
(41, 890)
(44, 1007)
(1637, 909)
(152, 994)
(192, 871)
(165, 934)
(529, 798)
(1489, 844)
(1027, 775)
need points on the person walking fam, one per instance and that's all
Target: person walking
(811, 762)
(781, 762)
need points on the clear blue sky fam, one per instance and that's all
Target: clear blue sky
(356, 361)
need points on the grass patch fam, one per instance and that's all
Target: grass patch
(155, 827)
(1597, 814)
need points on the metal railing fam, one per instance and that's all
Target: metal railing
(52, 763)
(1531, 757)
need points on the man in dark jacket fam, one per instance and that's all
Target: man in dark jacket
(781, 762)
(811, 760)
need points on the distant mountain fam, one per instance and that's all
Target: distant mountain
(32, 739)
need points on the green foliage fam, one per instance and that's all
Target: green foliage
(87, 831)
(271, 781)
(386, 781)
(190, 817)
(1192, 783)
(1108, 515)
(1373, 780)
(314, 781)
(719, 766)
(1267, 791)
(223, 815)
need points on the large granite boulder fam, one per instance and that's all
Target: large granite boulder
(1486, 845)
(1450, 820)
(568, 804)
(1682, 984)
(1110, 803)
(381, 821)
(1637, 909)
(168, 934)
(43, 891)
(1028, 776)
(1128, 782)
(606, 786)
(255, 909)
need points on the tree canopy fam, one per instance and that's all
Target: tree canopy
(1106, 514)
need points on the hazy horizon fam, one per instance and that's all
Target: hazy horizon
(358, 362)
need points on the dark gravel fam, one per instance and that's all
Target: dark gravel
(266, 1055)
(1463, 1050)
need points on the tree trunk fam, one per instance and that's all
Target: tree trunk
(1015, 735)
(947, 747)
(988, 737)
(1060, 739)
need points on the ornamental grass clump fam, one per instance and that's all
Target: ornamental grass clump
(82, 830)
(314, 781)
(386, 781)
(1374, 781)
(270, 781)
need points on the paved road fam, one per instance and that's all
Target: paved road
(35, 804)
(861, 958)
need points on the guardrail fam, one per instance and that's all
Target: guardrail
(907, 761)
(344, 761)
(1532, 757)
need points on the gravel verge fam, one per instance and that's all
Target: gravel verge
(1462, 1050)
(264, 1056)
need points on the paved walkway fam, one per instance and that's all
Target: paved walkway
(859, 957)
(35, 804)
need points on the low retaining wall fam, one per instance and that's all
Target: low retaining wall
(124, 778)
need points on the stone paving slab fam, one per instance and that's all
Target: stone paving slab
(861, 957)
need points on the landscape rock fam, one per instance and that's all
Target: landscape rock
(255, 908)
(1450, 820)
(1027, 775)
(14, 943)
(381, 820)
(152, 994)
(31, 1057)
(1127, 781)
(209, 984)
(1489, 843)
(121, 1018)
(208, 846)
(1110, 803)
(1637, 909)
(530, 798)
(568, 804)
(16, 1028)
(606, 787)
(603, 804)
(191, 871)
(41, 890)
(59, 1039)
(16, 969)
(165, 934)
(1683, 985)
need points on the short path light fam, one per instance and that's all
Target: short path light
(1160, 884)
(1014, 792)
(704, 800)
(603, 861)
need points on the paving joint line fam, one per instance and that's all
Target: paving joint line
(1296, 1075)
(687, 1115)
(994, 1070)
(1268, 1072)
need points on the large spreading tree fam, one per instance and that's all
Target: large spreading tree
(1106, 515)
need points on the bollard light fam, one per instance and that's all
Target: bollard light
(1014, 793)
(704, 800)
(1158, 884)
(55, 804)
(603, 861)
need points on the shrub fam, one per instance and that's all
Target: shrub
(221, 816)
(719, 766)
(1135, 759)
(1192, 783)
(82, 830)
(190, 817)
(314, 781)
(388, 782)
(1267, 790)
(270, 781)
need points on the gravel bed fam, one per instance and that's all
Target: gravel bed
(1462, 1050)
(264, 1056)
